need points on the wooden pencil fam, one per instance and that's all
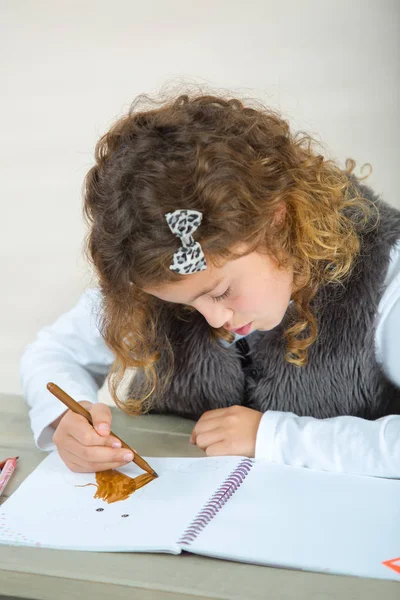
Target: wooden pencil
(80, 410)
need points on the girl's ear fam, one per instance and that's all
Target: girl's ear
(280, 214)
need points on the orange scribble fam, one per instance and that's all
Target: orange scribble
(113, 486)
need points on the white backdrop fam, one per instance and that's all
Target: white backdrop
(70, 67)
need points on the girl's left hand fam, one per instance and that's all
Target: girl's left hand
(231, 430)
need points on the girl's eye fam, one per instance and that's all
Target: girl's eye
(222, 296)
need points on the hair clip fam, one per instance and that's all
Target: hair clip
(189, 258)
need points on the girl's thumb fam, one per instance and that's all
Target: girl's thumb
(101, 416)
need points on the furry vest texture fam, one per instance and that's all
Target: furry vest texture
(342, 376)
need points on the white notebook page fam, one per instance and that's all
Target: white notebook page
(49, 510)
(304, 519)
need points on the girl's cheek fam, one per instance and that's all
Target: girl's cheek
(244, 304)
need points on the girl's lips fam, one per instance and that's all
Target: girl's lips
(243, 330)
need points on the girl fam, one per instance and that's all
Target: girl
(253, 285)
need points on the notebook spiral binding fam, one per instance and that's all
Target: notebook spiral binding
(217, 501)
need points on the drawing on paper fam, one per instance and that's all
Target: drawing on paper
(113, 486)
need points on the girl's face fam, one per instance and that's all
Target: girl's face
(245, 294)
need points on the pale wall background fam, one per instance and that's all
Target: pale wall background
(70, 67)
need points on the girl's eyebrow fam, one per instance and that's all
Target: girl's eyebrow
(206, 291)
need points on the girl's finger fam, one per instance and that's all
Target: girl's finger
(84, 433)
(204, 427)
(101, 416)
(77, 467)
(204, 440)
(97, 454)
(218, 449)
(78, 427)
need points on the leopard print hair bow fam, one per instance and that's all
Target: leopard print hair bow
(189, 258)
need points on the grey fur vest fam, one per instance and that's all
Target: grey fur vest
(342, 377)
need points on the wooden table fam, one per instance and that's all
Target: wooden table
(60, 574)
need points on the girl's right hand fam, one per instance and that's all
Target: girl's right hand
(87, 449)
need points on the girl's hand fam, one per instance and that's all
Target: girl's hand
(87, 449)
(231, 430)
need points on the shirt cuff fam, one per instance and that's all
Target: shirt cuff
(266, 435)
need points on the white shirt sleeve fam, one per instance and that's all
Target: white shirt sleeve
(345, 444)
(71, 353)
(341, 444)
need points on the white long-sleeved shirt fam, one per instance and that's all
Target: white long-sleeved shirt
(72, 353)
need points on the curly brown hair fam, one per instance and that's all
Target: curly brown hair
(236, 164)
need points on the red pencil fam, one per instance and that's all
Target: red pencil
(6, 472)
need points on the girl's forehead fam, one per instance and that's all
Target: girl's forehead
(190, 287)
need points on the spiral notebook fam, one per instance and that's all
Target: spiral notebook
(226, 507)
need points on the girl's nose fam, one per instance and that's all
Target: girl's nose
(216, 316)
